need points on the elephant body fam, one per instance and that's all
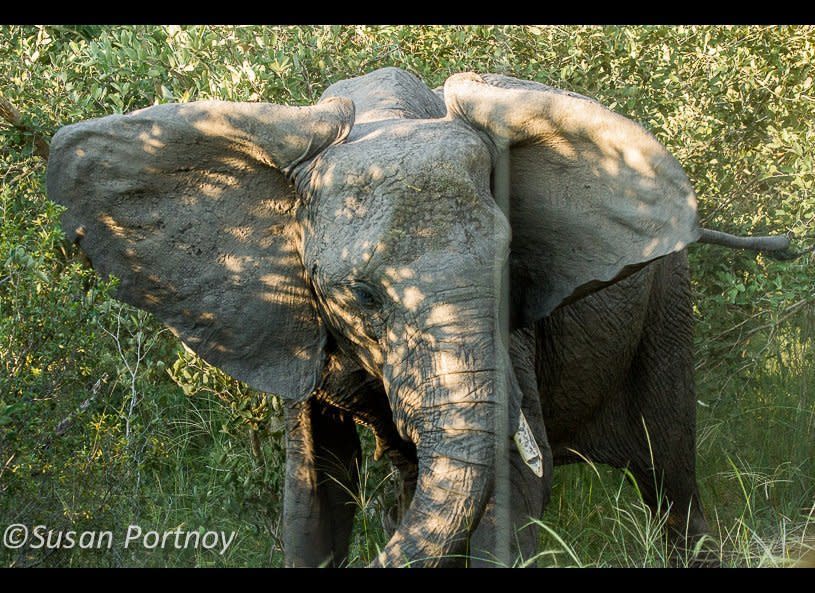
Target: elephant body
(607, 379)
(352, 258)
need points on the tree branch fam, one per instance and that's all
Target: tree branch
(68, 421)
(9, 113)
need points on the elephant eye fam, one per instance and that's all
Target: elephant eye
(364, 295)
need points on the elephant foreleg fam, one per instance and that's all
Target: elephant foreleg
(322, 461)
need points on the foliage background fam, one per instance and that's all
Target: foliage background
(105, 421)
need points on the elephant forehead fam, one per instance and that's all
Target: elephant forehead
(399, 190)
(419, 152)
(411, 179)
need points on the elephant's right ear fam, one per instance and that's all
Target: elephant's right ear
(190, 206)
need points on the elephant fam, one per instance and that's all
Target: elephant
(350, 257)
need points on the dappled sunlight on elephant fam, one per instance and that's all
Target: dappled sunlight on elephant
(345, 256)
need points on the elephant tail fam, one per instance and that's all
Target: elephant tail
(774, 246)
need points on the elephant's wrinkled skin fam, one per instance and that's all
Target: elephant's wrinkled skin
(347, 256)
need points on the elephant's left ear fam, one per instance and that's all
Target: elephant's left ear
(592, 194)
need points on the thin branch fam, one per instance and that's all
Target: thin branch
(785, 314)
(66, 423)
(740, 192)
(743, 337)
(10, 113)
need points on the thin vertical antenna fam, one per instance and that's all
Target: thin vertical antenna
(501, 287)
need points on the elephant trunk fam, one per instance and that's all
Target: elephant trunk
(450, 413)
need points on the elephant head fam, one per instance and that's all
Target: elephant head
(260, 234)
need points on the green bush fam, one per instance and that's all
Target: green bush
(106, 421)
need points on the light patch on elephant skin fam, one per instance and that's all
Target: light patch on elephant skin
(232, 263)
(114, 227)
(214, 183)
(241, 233)
(442, 315)
(390, 290)
(561, 146)
(396, 274)
(610, 165)
(447, 364)
(649, 249)
(635, 159)
(150, 144)
(152, 299)
(352, 208)
(277, 280)
(412, 298)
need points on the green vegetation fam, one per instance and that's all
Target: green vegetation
(105, 421)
